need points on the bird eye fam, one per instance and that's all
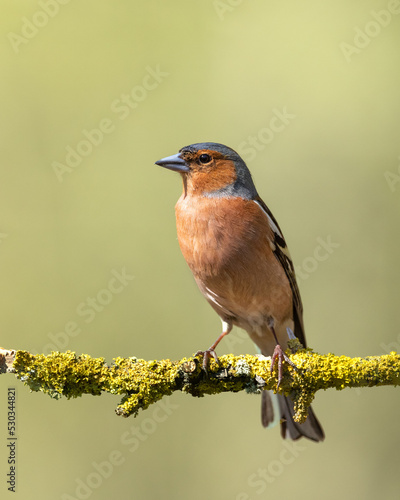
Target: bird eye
(204, 158)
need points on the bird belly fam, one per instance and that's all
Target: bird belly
(236, 270)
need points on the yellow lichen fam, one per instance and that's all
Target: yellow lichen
(142, 383)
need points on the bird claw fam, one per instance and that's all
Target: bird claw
(280, 355)
(206, 356)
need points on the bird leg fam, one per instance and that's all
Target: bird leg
(226, 328)
(279, 355)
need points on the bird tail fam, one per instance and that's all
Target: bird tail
(284, 409)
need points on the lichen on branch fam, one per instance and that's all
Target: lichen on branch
(142, 383)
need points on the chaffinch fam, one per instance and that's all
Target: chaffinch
(240, 261)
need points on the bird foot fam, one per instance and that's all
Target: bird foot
(280, 356)
(206, 356)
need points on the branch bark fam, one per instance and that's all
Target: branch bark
(142, 383)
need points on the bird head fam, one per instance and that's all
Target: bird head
(211, 169)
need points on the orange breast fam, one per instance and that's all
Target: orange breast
(227, 245)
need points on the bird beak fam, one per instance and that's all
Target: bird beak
(174, 162)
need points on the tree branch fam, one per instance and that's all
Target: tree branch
(143, 383)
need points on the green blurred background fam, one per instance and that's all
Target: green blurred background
(196, 71)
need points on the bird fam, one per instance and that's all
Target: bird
(241, 264)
